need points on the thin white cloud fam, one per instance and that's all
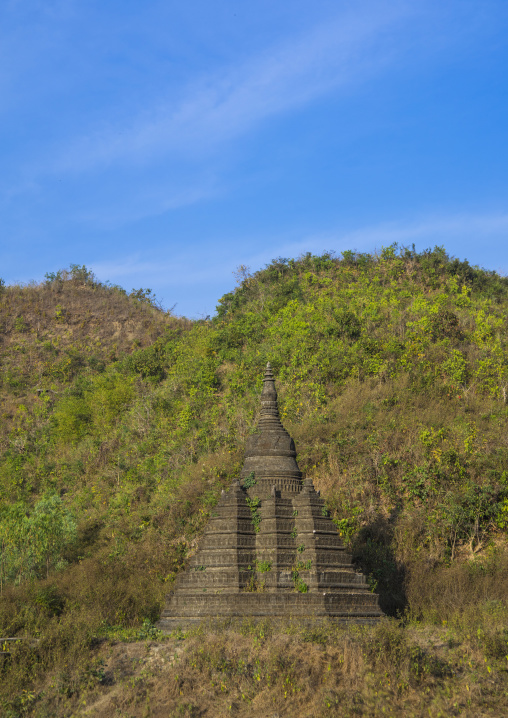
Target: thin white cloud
(213, 267)
(150, 201)
(485, 231)
(226, 105)
(432, 229)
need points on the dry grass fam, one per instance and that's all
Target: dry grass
(248, 669)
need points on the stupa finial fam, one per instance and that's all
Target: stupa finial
(269, 403)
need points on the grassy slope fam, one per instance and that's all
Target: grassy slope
(393, 377)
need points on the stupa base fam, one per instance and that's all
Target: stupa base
(188, 611)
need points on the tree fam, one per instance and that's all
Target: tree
(31, 545)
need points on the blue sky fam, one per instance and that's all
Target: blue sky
(163, 144)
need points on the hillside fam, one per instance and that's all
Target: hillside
(70, 324)
(121, 423)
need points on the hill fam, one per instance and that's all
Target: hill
(121, 424)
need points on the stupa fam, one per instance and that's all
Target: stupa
(270, 548)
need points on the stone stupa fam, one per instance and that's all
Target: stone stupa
(270, 548)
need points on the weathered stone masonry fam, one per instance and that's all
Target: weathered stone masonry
(270, 549)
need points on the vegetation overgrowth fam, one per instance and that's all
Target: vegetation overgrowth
(122, 422)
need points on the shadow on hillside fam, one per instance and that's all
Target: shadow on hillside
(372, 553)
(88, 536)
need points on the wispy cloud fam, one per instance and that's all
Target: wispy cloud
(150, 200)
(485, 227)
(213, 268)
(228, 103)
(488, 232)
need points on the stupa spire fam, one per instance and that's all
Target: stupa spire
(269, 418)
(270, 453)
